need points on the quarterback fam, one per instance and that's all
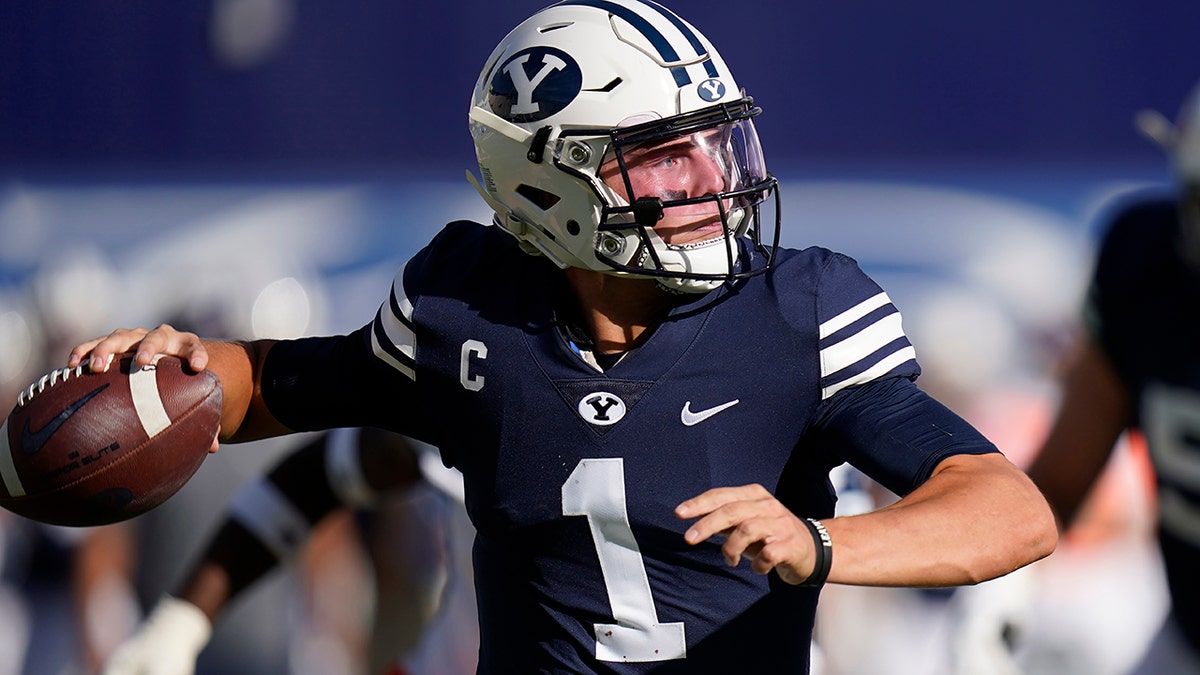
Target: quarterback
(643, 391)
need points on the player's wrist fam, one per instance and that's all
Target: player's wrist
(823, 552)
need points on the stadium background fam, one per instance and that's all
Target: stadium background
(260, 167)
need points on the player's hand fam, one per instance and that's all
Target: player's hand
(145, 343)
(167, 642)
(164, 339)
(756, 526)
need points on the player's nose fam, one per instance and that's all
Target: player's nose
(707, 175)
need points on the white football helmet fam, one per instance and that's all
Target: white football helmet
(592, 88)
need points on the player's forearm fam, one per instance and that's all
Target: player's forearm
(106, 604)
(208, 588)
(978, 517)
(1095, 411)
(233, 562)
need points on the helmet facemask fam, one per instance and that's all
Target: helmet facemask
(676, 194)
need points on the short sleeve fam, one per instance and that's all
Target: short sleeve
(860, 333)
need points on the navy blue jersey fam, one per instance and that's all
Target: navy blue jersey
(572, 472)
(1142, 310)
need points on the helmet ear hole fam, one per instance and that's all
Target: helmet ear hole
(538, 197)
(572, 227)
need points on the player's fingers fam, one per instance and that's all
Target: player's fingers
(713, 499)
(774, 553)
(782, 544)
(783, 558)
(734, 552)
(166, 340)
(726, 518)
(747, 536)
(99, 352)
(80, 352)
(760, 540)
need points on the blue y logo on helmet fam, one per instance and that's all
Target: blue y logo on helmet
(534, 84)
(711, 90)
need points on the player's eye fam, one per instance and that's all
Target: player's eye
(667, 161)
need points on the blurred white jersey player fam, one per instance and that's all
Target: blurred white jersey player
(418, 537)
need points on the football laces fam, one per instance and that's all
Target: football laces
(48, 380)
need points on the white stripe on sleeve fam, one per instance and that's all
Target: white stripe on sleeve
(854, 314)
(886, 364)
(389, 359)
(398, 333)
(861, 344)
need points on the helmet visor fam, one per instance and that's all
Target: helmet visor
(677, 194)
(698, 173)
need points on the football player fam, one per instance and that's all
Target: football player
(270, 520)
(1124, 374)
(643, 391)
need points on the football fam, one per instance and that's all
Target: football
(84, 448)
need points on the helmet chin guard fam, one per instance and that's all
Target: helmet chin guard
(612, 137)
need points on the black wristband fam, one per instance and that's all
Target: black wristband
(824, 553)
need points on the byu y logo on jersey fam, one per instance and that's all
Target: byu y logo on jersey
(534, 84)
(602, 408)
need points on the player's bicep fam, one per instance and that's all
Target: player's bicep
(895, 433)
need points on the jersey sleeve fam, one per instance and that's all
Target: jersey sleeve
(369, 378)
(860, 336)
(318, 383)
(872, 415)
(366, 378)
(894, 432)
(395, 332)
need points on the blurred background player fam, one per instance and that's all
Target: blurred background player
(415, 532)
(1136, 367)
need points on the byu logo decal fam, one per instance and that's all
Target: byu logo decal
(534, 84)
(711, 90)
(602, 408)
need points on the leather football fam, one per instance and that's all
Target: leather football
(86, 448)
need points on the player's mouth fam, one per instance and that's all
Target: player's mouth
(687, 233)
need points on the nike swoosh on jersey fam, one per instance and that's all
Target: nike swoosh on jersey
(32, 441)
(690, 418)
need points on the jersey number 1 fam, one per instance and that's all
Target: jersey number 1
(596, 489)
